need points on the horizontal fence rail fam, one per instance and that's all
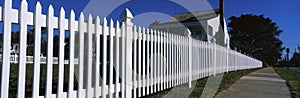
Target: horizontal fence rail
(103, 59)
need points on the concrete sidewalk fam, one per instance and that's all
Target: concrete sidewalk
(263, 83)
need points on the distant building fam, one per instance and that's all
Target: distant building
(204, 25)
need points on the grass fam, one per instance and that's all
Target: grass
(228, 79)
(293, 80)
(13, 83)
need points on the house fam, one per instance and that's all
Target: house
(204, 25)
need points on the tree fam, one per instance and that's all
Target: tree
(256, 36)
(295, 60)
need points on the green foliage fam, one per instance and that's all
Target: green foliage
(257, 36)
(295, 60)
(293, 80)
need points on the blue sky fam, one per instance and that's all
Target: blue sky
(284, 12)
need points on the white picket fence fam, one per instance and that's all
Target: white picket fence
(113, 61)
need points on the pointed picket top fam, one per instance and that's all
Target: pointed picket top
(62, 12)
(90, 18)
(81, 16)
(139, 29)
(7, 4)
(123, 27)
(38, 7)
(111, 24)
(50, 10)
(104, 21)
(72, 15)
(24, 4)
(117, 24)
(97, 21)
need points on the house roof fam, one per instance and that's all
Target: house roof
(193, 16)
(199, 14)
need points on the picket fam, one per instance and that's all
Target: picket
(72, 27)
(49, 51)
(37, 48)
(97, 61)
(104, 59)
(134, 61)
(111, 58)
(23, 41)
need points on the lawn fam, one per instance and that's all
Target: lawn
(293, 80)
(227, 80)
(13, 83)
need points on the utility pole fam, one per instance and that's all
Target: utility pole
(221, 4)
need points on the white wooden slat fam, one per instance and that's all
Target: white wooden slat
(163, 75)
(37, 49)
(161, 60)
(165, 71)
(201, 54)
(81, 25)
(123, 62)
(181, 60)
(159, 76)
(180, 50)
(183, 64)
(72, 26)
(186, 65)
(6, 48)
(104, 62)
(61, 55)
(190, 54)
(144, 62)
(166, 61)
(117, 52)
(22, 50)
(148, 60)
(50, 16)
(139, 57)
(89, 56)
(111, 58)
(155, 61)
(151, 61)
(97, 60)
(169, 60)
(178, 58)
(175, 59)
(134, 42)
(172, 60)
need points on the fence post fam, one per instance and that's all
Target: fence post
(188, 33)
(129, 40)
